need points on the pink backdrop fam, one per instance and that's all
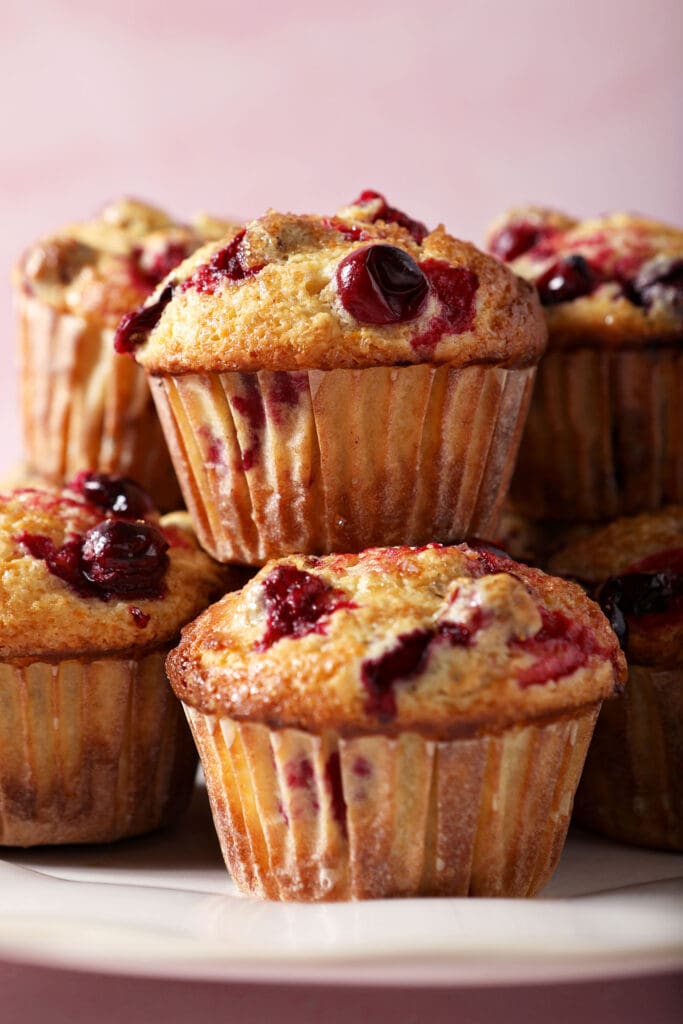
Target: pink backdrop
(455, 109)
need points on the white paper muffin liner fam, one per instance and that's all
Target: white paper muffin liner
(306, 817)
(90, 751)
(86, 407)
(272, 463)
(632, 787)
(604, 436)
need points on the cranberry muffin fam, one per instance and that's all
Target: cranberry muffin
(94, 588)
(632, 786)
(603, 437)
(403, 721)
(83, 406)
(329, 383)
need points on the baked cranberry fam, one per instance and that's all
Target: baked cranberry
(569, 278)
(134, 327)
(456, 289)
(349, 232)
(608, 597)
(296, 601)
(659, 279)
(117, 494)
(63, 562)
(559, 648)
(148, 269)
(515, 239)
(381, 284)
(121, 557)
(390, 215)
(407, 659)
(228, 264)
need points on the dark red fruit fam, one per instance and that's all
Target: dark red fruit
(296, 602)
(140, 618)
(515, 239)
(408, 659)
(390, 215)
(661, 279)
(456, 288)
(63, 562)
(350, 233)
(134, 327)
(119, 557)
(117, 494)
(149, 269)
(569, 278)
(227, 264)
(560, 647)
(381, 284)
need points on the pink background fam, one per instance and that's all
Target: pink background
(456, 110)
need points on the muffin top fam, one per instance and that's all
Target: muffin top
(93, 568)
(445, 641)
(614, 281)
(368, 287)
(634, 568)
(104, 267)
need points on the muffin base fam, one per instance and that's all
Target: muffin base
(272, 463)
(603, 435)
(90, 751)
(320, 818)
(632, 785)
(85, 407)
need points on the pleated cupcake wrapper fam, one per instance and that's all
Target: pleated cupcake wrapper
(90, 751)
(632, 787)
(272, 463)
(85, 407)
(604, 436)
(305, 817)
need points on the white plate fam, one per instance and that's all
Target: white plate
(163, 906)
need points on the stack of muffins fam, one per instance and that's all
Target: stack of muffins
(597, 494)
(390, 706)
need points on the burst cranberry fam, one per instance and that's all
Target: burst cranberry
(568, 279)
(116, 494)
(381, 284)
(659, 279)
(391, 215)
(150, 268)
(296, 601)
(134, 327)
(121, 557)
(228, 264)
(515, 239)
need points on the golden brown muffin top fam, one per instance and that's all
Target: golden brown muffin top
(305, 292)
(104, 267)
(93, 568)
(445, 641)
(615, 280)
(634, 567)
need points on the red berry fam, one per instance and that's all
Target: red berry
(568, 279)
(381, 284)
(117, 494)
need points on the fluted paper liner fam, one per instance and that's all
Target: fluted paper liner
(632, 787)
(306, 817)
(90, 751)
(86, 407)
(604, 435)
(272, 463)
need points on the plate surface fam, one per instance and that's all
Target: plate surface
(163, 906)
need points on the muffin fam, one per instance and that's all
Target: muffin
(605, 427)
(83, 406)
(632, 786)
(94, 588)
(399, 722)
(328, 384)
